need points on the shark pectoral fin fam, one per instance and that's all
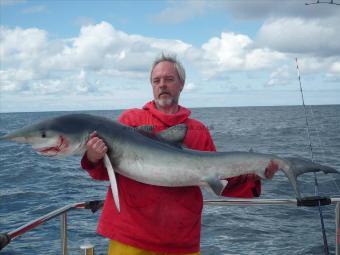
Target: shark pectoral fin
(113, 181)
(215, 185)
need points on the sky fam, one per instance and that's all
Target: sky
(70, 55)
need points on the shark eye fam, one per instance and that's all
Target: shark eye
(43, 134)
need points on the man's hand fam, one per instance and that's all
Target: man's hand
(95, 148)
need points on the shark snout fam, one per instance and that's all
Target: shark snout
(14, 138)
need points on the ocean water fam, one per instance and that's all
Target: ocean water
(32, 185)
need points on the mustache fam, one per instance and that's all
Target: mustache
(165, 92)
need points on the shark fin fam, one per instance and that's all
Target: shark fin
(298, 166)
(174, 134)
(113, 181)
(145, 129)
(301, 166)
(215, 185)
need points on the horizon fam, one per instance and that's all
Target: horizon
(190, 108)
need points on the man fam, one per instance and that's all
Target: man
(154, 219)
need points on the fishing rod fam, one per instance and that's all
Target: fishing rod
(316, 185)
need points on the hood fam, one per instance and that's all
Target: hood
(168, 119)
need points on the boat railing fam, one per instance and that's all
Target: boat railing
(6, 238)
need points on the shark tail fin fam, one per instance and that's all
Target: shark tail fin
(299, 166)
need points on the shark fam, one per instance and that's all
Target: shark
(155, 159)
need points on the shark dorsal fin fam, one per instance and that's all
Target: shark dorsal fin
(145, 129)
(173, 135)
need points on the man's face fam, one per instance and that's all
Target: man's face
(166, 84)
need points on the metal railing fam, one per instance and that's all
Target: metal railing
(6, 238)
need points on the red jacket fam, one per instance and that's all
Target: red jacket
(161, 219)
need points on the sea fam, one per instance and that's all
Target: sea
(33, 185)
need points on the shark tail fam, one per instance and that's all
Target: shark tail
(298, 166)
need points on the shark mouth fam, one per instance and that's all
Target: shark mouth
(61, 145)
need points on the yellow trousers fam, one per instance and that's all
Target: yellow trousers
(118, 248)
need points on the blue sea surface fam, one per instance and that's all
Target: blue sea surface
(32, 185)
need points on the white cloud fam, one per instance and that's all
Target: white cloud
(103, 60)
(311, 68)
(234, 52)
(21, 45)
(49, 86)
(262, 58)
(101, 46)
(333, 74)
(103, 51)
(296, 35)
(318, 65)
(282, 76)
(335, 68)
(15, 79)
(29, 56)
(189, 86)
(102, 54)
(228, 50)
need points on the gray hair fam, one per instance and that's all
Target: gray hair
(173, 59)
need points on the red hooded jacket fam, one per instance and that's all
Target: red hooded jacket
(161, 219)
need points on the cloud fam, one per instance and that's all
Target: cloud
(233, 52)
(101, 54)
(335, 68)
(104, 60)
(264, 9)
(310, 65)
(180, 11)
(316, 72)
(31, 60)
(21, 44)
(101, 46)
(333, 74)
(14, 79)
(296, 35)
(190, 86)
(282, 76)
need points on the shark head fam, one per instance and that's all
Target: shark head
(60, 136)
